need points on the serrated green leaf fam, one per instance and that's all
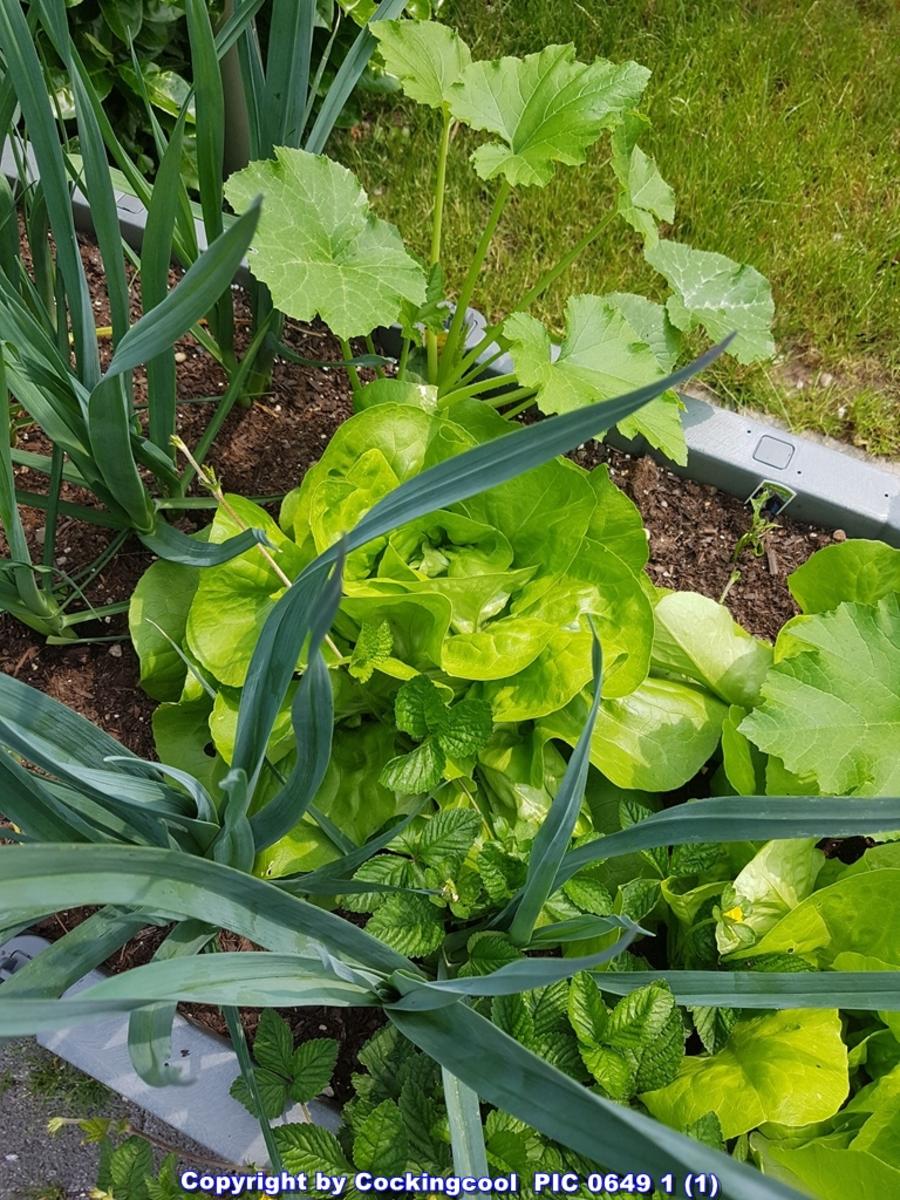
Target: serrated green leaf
(544, 108)
(830, 706)
(273, 1091)
(311, 1148)
(129, 1167)
(312, 1067)
(586, 1010)
(488, 952)
(447, 837)
(659, 1059)
(319, 249)
(380, 1144)
(589, 895)
(613, 1069)
(415, 773)
(373, 646)
(645, 194)
(707, 1129)
(466, 729)
(713, 1026)
(721, 295)
(419, 708)
(273, 1046)
(409, 924)
(600, 356)
(513, 1015)
(651, 323)
(630, 813)
(426, 56)
(637, 898)
(501, 874)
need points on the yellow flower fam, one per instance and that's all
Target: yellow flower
(734, 914)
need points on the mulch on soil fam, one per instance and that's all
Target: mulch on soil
(263, 451)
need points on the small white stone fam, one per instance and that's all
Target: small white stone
(826, 379)
(180, 356)
(115, 650)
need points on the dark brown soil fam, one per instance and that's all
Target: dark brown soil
(264, 450)
(694, 529)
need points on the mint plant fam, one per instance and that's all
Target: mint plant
(539, 113)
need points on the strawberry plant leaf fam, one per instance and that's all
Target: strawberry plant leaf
(601, 356)
(273, 1047)
(320, 250)
(720, 295)
(544, 108)
(311, 1148)
(381, 1143)
(586, 1010)
(426, 56)
(130, 1164)
(273, 1091)
(513, 1016)
(312, 1067)
(488, 952)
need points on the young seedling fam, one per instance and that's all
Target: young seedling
(753, 539)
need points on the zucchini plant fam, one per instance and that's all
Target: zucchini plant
(321, 250)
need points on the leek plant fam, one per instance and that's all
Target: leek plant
(96, 825)
(51, 359)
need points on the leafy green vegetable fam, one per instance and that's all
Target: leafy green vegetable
(773, 883)
(719, 294)
(859, 913)
(699, 640)
(789, 1067)
(600, 356)
(543, 108)
(320, 250)
(425, 56)
(855, 571)
(830, 705)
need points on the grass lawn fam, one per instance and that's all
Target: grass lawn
(777, 122)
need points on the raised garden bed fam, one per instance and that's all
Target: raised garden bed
(436, 741)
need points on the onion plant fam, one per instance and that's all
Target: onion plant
(96, 825)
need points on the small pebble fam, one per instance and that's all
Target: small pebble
(11, 1157)
(839, 535)
(115, 650)
(180, 356)
(826, 379)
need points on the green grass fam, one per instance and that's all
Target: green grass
(51, 1078)
(776, 122)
